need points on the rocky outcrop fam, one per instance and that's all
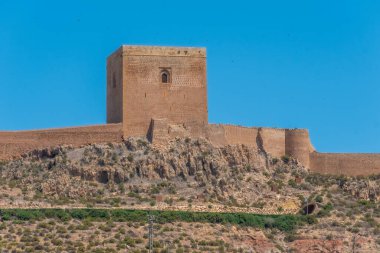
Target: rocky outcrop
(362, 188)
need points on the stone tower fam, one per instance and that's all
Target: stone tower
(145, 82)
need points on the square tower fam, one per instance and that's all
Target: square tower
(145, 82)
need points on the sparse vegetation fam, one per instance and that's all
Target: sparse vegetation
(227, 184)
(280, 222)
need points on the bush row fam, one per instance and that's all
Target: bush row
(281, 222)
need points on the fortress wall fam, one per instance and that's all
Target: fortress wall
(273, 141)
(345, 164)
(240, 135)
(13, 144)
(215, 133)
(298, 145)
(160, 132)
(270, 139)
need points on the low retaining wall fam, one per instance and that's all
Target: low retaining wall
(345, 164)
(16, 143)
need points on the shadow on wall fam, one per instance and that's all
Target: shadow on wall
(277, 142)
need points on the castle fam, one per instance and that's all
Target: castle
(161, 93)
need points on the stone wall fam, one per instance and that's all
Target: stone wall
(14, 144)
(345, 164)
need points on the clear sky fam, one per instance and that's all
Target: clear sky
(308, 64)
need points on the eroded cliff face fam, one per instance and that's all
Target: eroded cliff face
(192, 174)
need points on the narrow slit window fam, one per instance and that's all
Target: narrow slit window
(113, 81)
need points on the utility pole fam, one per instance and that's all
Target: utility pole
(150, 226)
(306, 209)
(353, 243)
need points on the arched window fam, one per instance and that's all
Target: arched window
(165, 76)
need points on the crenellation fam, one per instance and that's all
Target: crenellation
(163, 51)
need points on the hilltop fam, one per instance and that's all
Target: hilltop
(192, 175)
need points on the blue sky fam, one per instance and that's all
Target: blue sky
(305, 64)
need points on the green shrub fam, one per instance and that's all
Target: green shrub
(290, 237)
(319, 199)
(325, 211)
(285, 158)
(292, 183)
(281, 222)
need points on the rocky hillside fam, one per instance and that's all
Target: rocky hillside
(135, 172)
(191, 174)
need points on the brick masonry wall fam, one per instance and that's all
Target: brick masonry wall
(345, 164)
(160, 132)
(14, 144)
(298, 145)
(215, 133)
(114, 88)
(182, 101)
(273, 141)
(241, 135)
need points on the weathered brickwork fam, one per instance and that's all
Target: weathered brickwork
(183, 99)
(297, 144)
(14, 144)
(161, 93)
(240, 135)
(345, 164)
(273, 141)
(270, 140)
